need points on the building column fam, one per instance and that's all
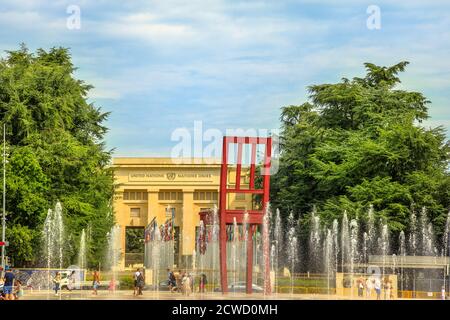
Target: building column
(187, 239)
(123, 246)
(152, 205)
(119, 214)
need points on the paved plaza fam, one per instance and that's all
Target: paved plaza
(150, 295)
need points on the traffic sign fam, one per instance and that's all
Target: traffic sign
(5, 243)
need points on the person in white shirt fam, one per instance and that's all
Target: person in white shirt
(378, 288)
(369, 287)
(136, 277)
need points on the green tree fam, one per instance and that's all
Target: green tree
(360, 142)
(56, 152)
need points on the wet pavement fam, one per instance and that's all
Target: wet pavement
(151, 295)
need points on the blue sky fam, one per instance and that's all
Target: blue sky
(161, 65)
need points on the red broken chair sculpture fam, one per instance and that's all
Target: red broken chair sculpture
(256, 216)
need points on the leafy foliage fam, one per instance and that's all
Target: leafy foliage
(56, 151)
(360, 142)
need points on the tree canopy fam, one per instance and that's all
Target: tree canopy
(55, 152)
(361, 142)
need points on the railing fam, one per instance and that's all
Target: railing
(407, 294)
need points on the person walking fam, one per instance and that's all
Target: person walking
(443, 293)
(378, 288)
(392, 291)
(8, 283)
(57, 282)
(140, 283)
(135, 278)
(112, 285)
(360, 287)
(191, 282)
(95, 282)
(182, 279)
(369, 287)
(388, 290)
(19, 291)
(71, 281)
(178, 278)
(186, 284)
(202, 283)
(171, 280)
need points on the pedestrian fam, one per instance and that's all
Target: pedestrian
(378, 288)
(360, 284)
(95, 282)
(191, 282)
(443, 293)
(135, 282)
(392, 291)
(57, 282)
(202, 283)
(388, 290)
(140, 283)
(112, 285)
(71, 281)
(19, 291)
(369, 287)
(8, 283)
(186, 284)
(171, 280)
(179, 277)
(182, 280)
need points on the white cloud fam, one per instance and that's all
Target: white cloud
(231, 58)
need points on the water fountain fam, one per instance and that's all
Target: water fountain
(354, 252)
(194, 264)
(335, 235)
(384, 244)
(292, 257)
(315, 242)
(328, 257)
(413, 234)
(235, 251)
(113, 252)
(371, 231)
(53, 236)
(214, 246)
(156, 253)
(365, 248)
(246, 233)
(445, 238)
(201, 248)
(292, 248)
(426, 234)
(345, 242)
(274, 266)
(82, 251)
(277, 240)
(349, 247)
(402, 253)
(266, 266)
(82, 258)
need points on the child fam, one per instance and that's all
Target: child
(57, 281)
(112, 286)
(95, 282)
(19, 290)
